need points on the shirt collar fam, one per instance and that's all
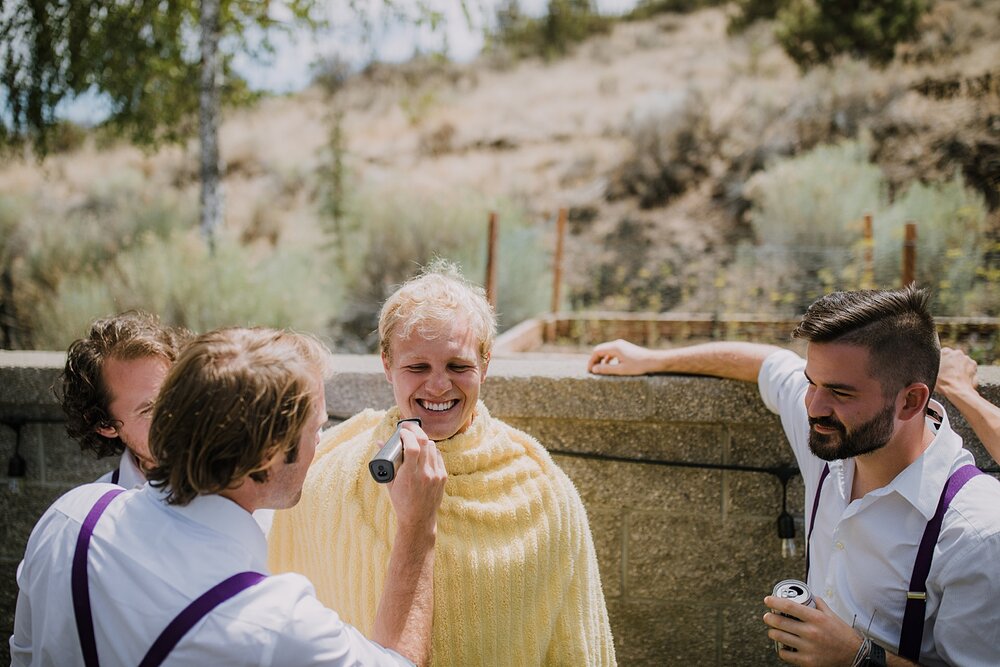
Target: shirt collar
(130, 475)
(921, 482)
(223, 516)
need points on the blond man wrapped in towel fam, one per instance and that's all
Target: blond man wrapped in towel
(515, 574)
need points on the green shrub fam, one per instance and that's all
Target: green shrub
(565, 23)
(125, 247)
(951, 227)
(814, 31)
(816, 199)
(44, 247)
(177, 278)
(645, 9)
(386, 234)
(748, 11)
(66, 137)
(806, 213)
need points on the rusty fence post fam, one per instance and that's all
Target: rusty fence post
(557, 261)
(549, 334)
(491, 261)
(867, 253)
(910, 254)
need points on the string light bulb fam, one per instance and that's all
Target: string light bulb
(786, 523)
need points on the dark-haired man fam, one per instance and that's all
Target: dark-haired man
(176, 570)
(109, 383)
(876, 455)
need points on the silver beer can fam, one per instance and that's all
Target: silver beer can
(796, 591)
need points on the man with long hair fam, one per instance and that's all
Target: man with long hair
(178, 567)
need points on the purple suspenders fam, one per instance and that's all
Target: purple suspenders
(194, 612)
(177, 628)
(812, 518)
(78, 577)
(916, 598)
(912, 632)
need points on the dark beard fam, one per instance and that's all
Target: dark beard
(870, 436)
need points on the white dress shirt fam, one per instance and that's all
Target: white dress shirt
(862, 552)
(147, 561)
(131, 476)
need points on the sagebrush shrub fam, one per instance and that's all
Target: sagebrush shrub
(387, 233)
(806, 214)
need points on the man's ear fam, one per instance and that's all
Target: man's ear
(386, 369)
(915, 398)
(486, 367)
(107, 431)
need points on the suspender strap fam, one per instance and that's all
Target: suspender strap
(78, 579)
(916, 599)
(177, 628)
(194, 612)
(812, 518)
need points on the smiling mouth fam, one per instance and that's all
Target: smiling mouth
(431, 406)
(825, 428)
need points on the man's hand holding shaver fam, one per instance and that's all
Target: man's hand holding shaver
(418, 487)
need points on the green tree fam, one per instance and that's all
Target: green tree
(163, 65)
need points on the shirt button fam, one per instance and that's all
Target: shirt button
(840, 546)
(829, 593)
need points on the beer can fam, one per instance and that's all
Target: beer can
(796, 591)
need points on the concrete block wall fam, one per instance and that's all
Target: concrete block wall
(687, 552)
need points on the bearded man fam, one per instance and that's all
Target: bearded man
(903, 532)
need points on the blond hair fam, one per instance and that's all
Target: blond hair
(436, 297)
(234, 400)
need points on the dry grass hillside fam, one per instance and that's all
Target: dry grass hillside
(649, 134)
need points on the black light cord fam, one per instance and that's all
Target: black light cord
(784, 473)
(17, 467)
(777, 471)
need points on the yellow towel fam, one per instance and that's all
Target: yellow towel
(515, 572)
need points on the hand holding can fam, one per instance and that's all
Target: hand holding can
(796, 591)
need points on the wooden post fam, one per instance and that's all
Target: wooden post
(867, 251)
(910, 254)
(491, 261)
(557, 261)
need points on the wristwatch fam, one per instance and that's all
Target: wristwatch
(876, 657)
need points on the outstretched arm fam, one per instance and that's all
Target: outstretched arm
(406, 608)
(957, 383)
(736, 361)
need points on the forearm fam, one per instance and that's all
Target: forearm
(733, 360)
(983, 417)
(406, 608)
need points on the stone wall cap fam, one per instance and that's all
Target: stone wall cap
(32, 359)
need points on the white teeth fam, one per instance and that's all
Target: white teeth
(438, 407)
